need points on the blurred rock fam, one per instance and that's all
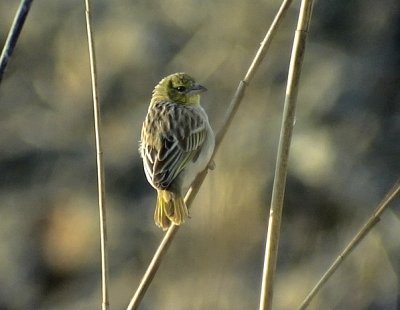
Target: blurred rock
(344, 156)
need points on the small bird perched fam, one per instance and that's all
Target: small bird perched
(177, 143)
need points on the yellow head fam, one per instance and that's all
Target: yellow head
(179, 88)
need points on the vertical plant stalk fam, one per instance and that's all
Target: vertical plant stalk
(191, 194)
(371, 222)
(13, 35)
(278, 190)
(100, 164)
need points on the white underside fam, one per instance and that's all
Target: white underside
(194, 168)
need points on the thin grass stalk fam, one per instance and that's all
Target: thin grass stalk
(278, 190)
(13, 35)
(105, 304)
(191, 194)
(361, 234)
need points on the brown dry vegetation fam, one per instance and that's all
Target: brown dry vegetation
(345, 155)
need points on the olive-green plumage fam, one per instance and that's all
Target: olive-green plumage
(177, 143)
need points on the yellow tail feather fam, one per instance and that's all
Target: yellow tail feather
(170, 208)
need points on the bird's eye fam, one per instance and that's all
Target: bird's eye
(181, 89)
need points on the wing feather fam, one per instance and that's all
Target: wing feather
(172, 136)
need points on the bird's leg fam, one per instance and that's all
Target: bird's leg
(211, 165)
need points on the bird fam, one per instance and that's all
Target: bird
(176, 144)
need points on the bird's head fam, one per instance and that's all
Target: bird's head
(179, 88)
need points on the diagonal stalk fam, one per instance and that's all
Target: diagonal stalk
(278, 190)
(13, 35)
(100, 163)
(234, 105)
(371, 222)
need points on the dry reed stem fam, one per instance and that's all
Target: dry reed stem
(100, 164)
(13, 35)
(278, 190)
(365, 229)
(191, 194)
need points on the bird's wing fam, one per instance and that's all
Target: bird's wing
(172, 136)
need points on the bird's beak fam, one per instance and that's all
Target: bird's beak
(197, 89)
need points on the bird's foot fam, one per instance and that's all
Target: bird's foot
(211, 165)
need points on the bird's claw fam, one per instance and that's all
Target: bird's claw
(211, 165)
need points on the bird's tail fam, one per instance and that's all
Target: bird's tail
(170, 208)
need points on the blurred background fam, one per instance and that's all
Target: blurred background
(344, 157)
